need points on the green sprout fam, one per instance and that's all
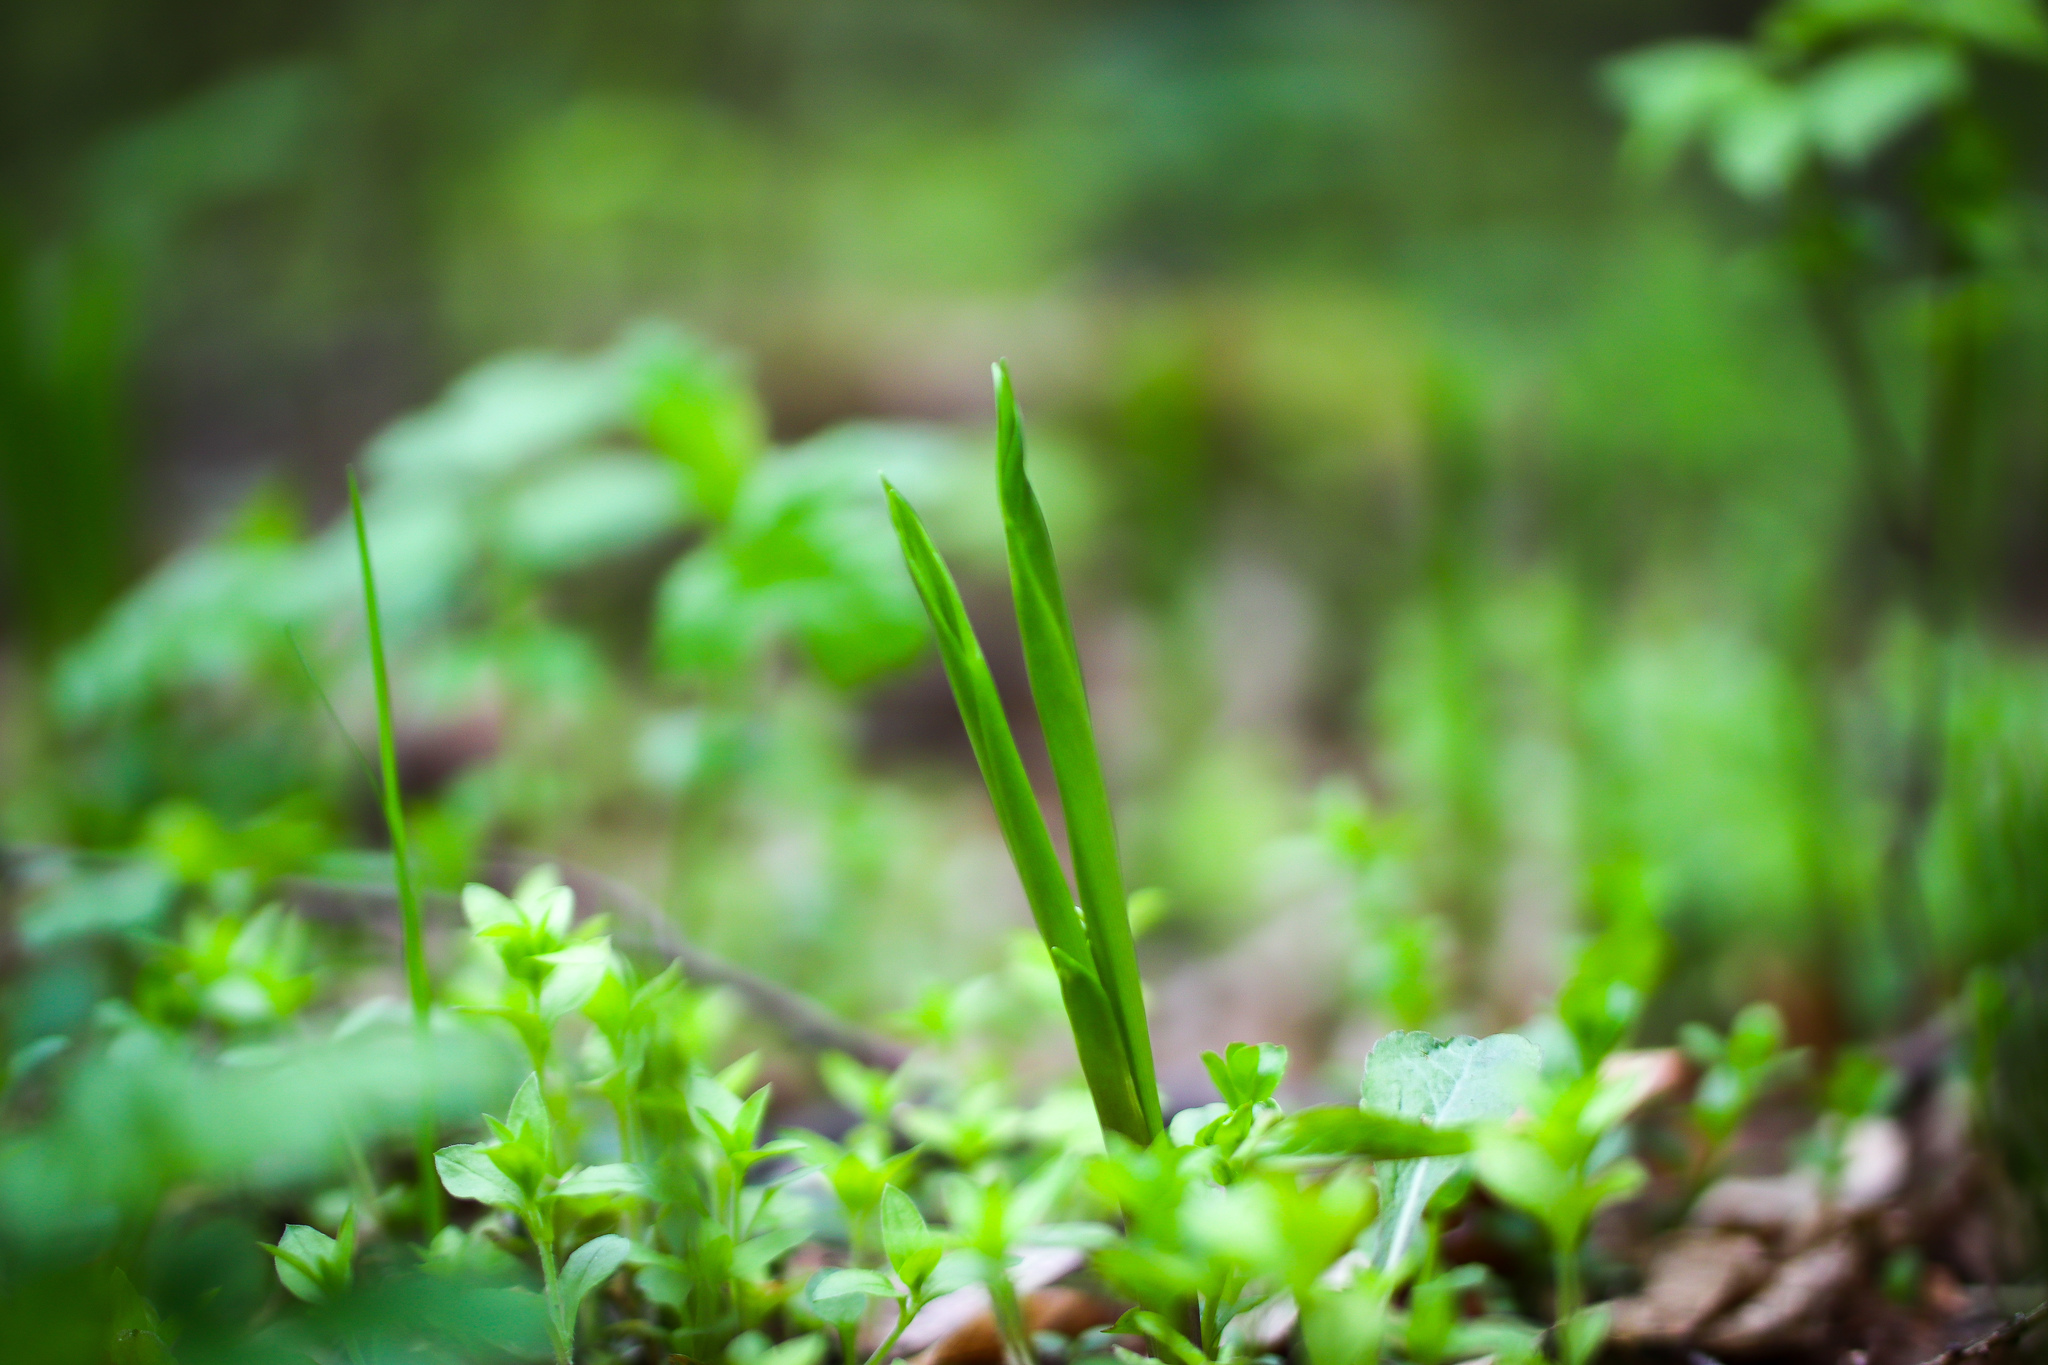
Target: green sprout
(1091, 945)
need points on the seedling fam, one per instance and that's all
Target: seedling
(555, 968)
(517, 1173)
(1738, 1070)
(916, 1254)
(1560, 1167)
(1091, 946)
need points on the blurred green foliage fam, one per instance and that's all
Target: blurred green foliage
(1559, 483)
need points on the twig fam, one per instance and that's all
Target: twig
(1995, 1341)
(803, 1019)
(649, 933)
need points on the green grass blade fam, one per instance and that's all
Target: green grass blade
(418, 985)
(1097, 1036)
(387, 756)
(1054, 665)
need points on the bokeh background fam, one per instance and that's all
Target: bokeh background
(1469, 535)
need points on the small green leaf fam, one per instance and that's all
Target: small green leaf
(529, 1111)
(1761, 140)
(841, 1296)
(753, 1258)
(1335, 1131)
(305, 1259)
(576, 975)
(1247, 1074)
(488, 908)
(913, 1249)
(1584, 1334)
(615, 1178)
(590, 1266)
(1867, 97)
(467, 1172)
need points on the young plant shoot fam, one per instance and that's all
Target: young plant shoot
(1091, 944)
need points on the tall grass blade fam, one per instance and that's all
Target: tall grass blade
(1097, 1034)
(1054, 665)
(417, 983)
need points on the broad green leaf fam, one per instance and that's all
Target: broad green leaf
(1862, 100)
(588, 1267)
(808, 1349)
(594, 507)
(119, 900)
(1674, 93)
(1442, 1083)
(467, 1172)
(698, 410)
(2014, 27)
(1053, 663)
(486, 907)
(1760, 140)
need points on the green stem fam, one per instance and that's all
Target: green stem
(906, 1310)
(1010, 1321)
(561, 1333)
(416, 979)
(1569, 1292)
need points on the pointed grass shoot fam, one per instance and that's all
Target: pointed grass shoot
(1091, 944)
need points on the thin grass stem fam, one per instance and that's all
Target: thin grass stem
(417, 982)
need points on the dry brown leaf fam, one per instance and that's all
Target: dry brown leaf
(1875, 1160)
(1693, 1275)
(1792, 1307)
(1060, 1309)
(1783, 1209)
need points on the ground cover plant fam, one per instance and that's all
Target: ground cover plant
(634, 1196)
(1543, 862)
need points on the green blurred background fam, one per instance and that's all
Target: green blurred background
(1470, 538)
